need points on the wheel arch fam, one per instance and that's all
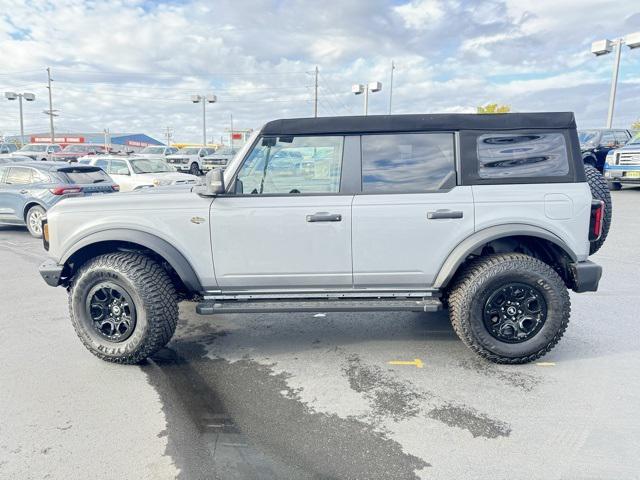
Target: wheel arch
(29, 205)
(536, 241)
(180, 270)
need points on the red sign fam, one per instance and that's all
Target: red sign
(134, 143)
(57, 140)
(236, 136)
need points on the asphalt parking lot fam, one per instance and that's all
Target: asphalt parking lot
(314, 396)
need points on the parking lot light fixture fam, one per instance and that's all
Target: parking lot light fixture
(204, 99)
(603, 47)
(29, 97)
(359, 88)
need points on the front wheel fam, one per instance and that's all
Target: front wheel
(123, 307)
(509, 308)
(194, 169)
(34, 220)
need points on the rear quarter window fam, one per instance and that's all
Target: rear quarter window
(84, 175)
(522, 155)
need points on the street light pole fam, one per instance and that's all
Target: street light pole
(204, 99)
(359, 89)
(50, 105)
(603, 47)
(614, 82)
(29, 97)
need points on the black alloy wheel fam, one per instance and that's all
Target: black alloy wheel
(111, 311)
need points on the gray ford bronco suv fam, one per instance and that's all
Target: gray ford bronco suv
(492, 217)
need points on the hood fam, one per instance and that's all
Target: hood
(166, 176)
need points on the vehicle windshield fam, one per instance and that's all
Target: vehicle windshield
(153, 150)
(189, 151)
(635, 140)
(77, 148)
(33, 148)
(149, 165)
(588, 136)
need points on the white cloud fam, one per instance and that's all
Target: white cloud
(420, 14)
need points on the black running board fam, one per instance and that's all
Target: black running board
(329, 305)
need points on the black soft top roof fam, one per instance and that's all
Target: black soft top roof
(416, 123)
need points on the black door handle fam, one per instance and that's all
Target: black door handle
(439, 214)
(324, 217)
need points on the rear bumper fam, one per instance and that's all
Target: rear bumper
(51, 272)
(586, 276)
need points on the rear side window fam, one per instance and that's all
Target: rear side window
(408, 162)
(18, 176)
(517, 155)
(85, 175)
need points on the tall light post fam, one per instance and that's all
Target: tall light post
(29, 97)
(603, 47)
(204, 100)
(359, 88)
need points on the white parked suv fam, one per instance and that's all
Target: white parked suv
(219, 159)
(492, 217)
(38, 151)
(156, 151)
(134, 173)
(189, 159)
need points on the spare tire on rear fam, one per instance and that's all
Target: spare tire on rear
(599, 191)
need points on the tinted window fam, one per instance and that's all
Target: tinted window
(293, 165)
(85, 175)
(504, 155)
(409, 162)
(40, 177)
(103, 164)
(18, 176)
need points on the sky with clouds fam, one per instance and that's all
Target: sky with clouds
(131, 66)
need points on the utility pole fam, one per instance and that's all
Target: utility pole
(393, 67)
(168, 133)
(53, 136)
(315, 96)
(614, 82)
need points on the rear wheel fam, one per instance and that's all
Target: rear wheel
(123, 307)
(599, 191)
(509, 308)
(34, 220)
(194, 169)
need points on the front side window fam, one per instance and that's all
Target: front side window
(514, 155)
(292, 165)
(407, 162)
(608, 139)
(149, 165)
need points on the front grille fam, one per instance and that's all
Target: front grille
(217, 161)
(629, 158)
(174, 160)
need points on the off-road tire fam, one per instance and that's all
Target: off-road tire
(152, 293)
(194, 169)
(475, 283)
(599, 191)
(34, 214)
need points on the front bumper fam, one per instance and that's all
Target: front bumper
(51, 272)
(586, 276)
(622, 173)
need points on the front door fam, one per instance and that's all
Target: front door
(285, 222)
(410, 214)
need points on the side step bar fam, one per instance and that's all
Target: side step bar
(211, 307)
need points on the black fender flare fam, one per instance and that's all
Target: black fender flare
(479, 238)
(152, 242)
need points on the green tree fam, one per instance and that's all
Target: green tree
(635, 125)
(494, 108)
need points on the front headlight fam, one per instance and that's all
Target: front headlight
(185, 160)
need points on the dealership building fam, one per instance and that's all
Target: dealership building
(119, 142)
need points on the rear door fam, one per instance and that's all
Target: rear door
(14, 193)
(411, 212)
(287, 221)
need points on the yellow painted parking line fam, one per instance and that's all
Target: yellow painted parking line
(415, 362)
(546, 364)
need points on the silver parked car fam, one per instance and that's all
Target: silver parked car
(490, 216)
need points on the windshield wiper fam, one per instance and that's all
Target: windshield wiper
(99, 180)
